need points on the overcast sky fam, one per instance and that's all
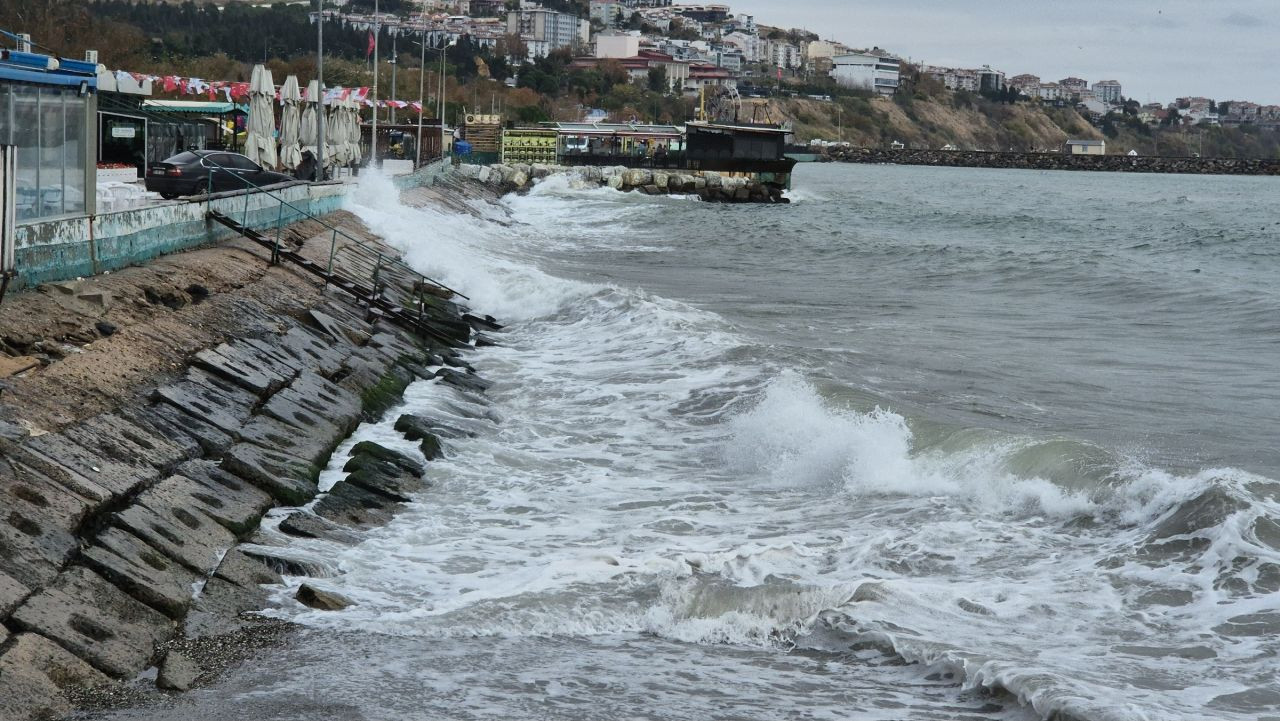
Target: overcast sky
(1158, 49)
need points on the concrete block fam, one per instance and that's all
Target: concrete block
(95, 621)
(172, 517)
(194, 434)
(147, 451)
(217, 609)
(243, 369)
(11, 594)
(314, 351)
(288, 479)
(213, 401)
(311, 446)
(113, 475)
(244, 570)
(232, 502)
(33, 673)
(304, 524)
(313, 404)
(141, 571)
(177, 672)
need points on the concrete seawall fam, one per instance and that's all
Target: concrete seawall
(163, 420)
(1058, 161)
(709, 186)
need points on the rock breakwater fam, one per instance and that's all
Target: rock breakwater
(709, 186)
(1057, 161)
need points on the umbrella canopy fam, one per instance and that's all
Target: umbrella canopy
(335, 130)
(290, 123)
(260, 145)
(309, 129)
(353, 131)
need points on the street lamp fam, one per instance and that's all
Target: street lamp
(422, 79)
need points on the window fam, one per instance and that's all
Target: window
(48, 125)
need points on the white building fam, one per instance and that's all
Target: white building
(783, 54)
(554, 29)
(617, 45)
(868, 72)
(749, 44)
(1108, 91)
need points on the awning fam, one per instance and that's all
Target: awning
(197, 107)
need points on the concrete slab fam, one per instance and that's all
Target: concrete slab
(141, 571)
(210, 439)
(112, 434)
(214, 401)
(173, 520)
(314, 350)
(235, 365)
(149, 418)
(313, 446)
(226, 498)
(246, 571)
(114, 476)
(312, 401)
(95, 621)
(11, 594)
(33, 673)
(288, 479)
(305, 524)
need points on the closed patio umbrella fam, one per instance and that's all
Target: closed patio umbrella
(290, 123)
(260, 143)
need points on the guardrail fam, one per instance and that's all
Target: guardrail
(381, 280)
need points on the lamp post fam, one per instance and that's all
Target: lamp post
(319, 91)
(422, 84)
(440, 87)
(373, 138)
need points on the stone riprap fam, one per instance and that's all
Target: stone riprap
(119, 530)
(709, 186)
(1057, 161)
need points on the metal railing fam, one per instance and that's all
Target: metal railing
(355, 264)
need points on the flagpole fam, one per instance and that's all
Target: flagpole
(373, 142)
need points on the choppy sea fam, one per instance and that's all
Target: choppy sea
(924, 444)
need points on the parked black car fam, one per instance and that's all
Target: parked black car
(188, 173)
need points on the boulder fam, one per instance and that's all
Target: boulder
(177, 672)
(638, 177)
(615, 182)
(661, 180)
(482, 174)
(712, 178)
(519, 179)
(304, 524)
(539, 171)
(313, 597)
(351, 505)
(229, 500)
(96, 621)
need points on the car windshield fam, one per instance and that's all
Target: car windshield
(183, 158)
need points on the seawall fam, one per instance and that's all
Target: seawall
(1057, 161)
(709, 186)
(168, 408)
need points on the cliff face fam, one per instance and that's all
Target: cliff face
(930, 123)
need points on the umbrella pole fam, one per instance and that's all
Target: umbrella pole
(373, 139)
(320, 92)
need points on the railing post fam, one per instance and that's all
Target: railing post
(333, 248)
(244, 222)
(377, 271)
(275, 250)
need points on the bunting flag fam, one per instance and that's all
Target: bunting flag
(369, 51)
(238, 92)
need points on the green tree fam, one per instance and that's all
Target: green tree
(658, 80)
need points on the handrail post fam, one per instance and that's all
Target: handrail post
(244, 223)
(275, 250)
(333, 248)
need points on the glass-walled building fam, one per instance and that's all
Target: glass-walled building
(47, 110)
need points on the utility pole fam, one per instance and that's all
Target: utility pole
(373, 138)
(319, 91)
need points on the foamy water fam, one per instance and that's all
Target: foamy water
(673, 511)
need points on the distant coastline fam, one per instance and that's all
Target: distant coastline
(1057, 161)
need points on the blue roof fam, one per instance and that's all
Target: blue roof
(16, 66)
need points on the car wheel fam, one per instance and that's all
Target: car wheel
(168, 196)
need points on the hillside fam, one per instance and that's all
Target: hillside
(932, 123)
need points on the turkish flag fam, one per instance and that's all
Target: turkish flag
(369, 51)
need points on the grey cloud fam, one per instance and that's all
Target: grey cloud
(1243, 20)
